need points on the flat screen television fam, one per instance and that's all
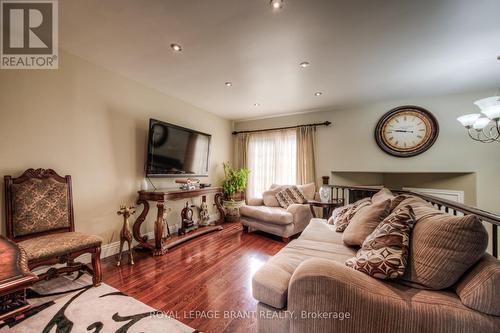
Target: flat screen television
(175, 151)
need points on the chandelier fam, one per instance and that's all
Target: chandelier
(484, 127)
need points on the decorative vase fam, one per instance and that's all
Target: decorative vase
(144, 185)
(325, 192)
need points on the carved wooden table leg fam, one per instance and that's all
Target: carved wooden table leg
(220, 208)
(136, 229)
(159, 226)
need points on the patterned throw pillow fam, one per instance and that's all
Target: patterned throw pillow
(384, 254)
(284, 199)
(343, 216)
(337, 212)
(296, 195)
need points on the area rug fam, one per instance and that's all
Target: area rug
(71, 304)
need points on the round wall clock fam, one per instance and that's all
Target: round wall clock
(406, 131)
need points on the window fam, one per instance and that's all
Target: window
(272, 159)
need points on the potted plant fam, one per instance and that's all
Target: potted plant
(234, 185)
(235, 182)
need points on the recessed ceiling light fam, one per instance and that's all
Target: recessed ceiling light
(304, 64)
(318, 93)
(176, 47)
(228, 84)
(277, 4)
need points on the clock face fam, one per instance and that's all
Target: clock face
(406, 131)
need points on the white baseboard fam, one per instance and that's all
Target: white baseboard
(111, 249)
(107, 250)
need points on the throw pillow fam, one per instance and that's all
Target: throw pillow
(269, 198)
(309, 190)
(337, 212)
(384, 253)
(396, 201)
(385, 194)
(365, 221)
(296, 195)
(382, 195)
(284, 199)
(443, 247)
(343, 217)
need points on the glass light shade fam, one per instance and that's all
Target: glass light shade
(490, 106)
(481, 123)
(469, 119)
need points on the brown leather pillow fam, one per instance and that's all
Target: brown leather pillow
(478, 288)
(443, 247)
(365, 221)
(343, 216)
(384, 254)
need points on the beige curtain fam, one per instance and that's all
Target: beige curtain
(241, 150)
(271, 160)
(306, 154)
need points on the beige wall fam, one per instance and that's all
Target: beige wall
(91, 123)
(349, 145)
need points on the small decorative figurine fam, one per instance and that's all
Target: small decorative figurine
(187, 220)
(126, 233)
(204, 215)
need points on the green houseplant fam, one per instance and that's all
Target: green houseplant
(235, 182)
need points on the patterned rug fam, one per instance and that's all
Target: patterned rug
(70, 304)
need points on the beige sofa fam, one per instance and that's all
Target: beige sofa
(307, 287)
(266, 214)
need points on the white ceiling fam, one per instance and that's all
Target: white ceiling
(360, 51)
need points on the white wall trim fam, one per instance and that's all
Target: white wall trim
(112, 249)
(453, 195)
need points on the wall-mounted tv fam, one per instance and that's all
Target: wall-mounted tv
(175, 151)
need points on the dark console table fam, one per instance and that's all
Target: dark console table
(15, 277)
(327, 206)
(160, 244)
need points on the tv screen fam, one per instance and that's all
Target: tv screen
(176, 151)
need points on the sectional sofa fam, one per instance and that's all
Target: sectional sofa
(450, 283)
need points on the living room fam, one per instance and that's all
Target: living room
(336, 102)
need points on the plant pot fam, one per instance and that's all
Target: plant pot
(232, 209)
(236, 196)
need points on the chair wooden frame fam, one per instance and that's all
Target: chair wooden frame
(67, 258)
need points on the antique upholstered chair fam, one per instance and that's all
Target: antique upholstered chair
(39, 208)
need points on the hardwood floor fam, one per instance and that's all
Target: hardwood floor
(211, 274)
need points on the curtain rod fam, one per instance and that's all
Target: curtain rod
(325, 123)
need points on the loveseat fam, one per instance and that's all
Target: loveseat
(266, 214)
(307, 286)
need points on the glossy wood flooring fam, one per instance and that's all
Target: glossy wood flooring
(207, 276)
